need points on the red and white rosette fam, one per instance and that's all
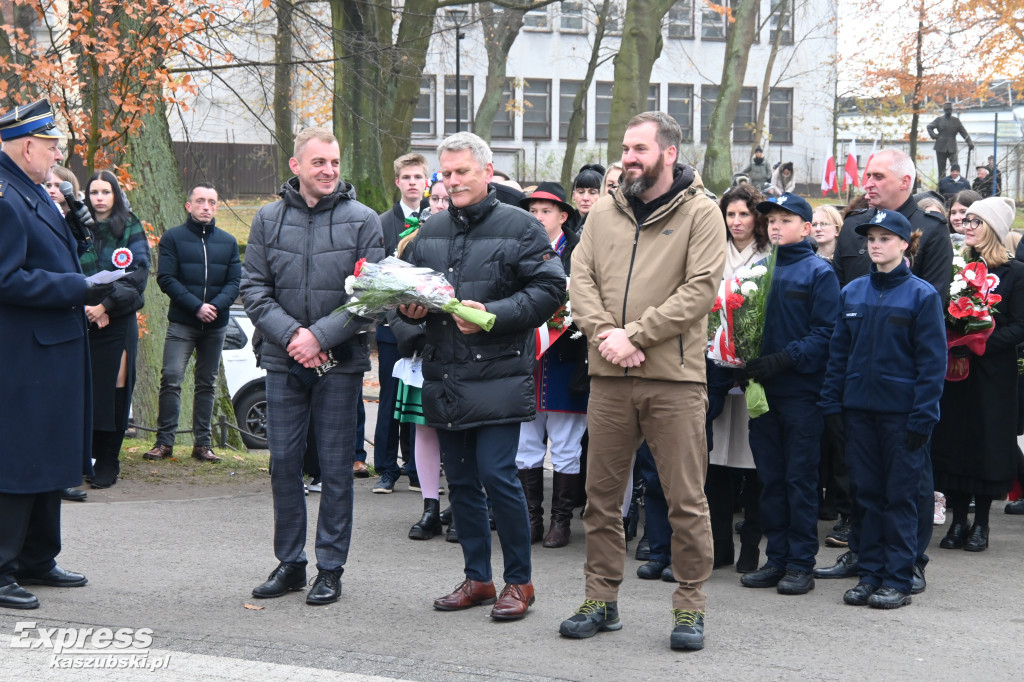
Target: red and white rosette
(122, 258)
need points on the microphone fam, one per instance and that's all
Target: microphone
(78, 217)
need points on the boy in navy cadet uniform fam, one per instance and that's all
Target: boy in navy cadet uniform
(786, 441)
(888, 349)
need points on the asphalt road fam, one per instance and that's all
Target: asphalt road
(185, 569)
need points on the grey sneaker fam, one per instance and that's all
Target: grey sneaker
(385, 484)
(591, 618)
(688, 634)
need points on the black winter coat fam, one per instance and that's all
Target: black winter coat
(974, 446)
(498, 255)
(198, 264)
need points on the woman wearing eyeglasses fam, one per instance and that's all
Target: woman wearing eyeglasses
(974, 446)
(825, 226)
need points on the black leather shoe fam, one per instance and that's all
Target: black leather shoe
(858, 596)
(977, 539)
(651, 570)
(73, 494)
(888, 598)
(1016, 507)
(955, 537)
(284, 578)
(14, 597)
(55, 577)
(845, 567)
(643, 549)
(917, 582)
(667, 576)
(326, 588)
(796, 582)
(766, 576)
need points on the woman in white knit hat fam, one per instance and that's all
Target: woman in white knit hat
(974, 446)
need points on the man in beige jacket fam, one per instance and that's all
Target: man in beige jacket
(645, 276)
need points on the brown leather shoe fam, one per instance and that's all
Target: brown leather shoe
(359, 469)
(159, 451)
(204, 453)
(513, 602)
(468, 593)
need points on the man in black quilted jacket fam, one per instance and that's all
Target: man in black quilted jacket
(478, 385)
(199, 270)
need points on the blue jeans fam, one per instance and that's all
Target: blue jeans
(331, 403)
(179, 344)
(656, 525)
(475, 460)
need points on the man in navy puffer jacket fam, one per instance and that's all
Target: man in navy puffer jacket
(200, 270)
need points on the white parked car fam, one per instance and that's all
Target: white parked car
(246, 382)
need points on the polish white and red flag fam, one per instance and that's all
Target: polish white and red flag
(850, 171)
(828, 179)
(874, 148)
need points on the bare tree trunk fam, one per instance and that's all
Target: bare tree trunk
(640, 47)
(578, 117)
(718, 158)
(915, 102)
(500, 31)
(284, 133)
(766, 83)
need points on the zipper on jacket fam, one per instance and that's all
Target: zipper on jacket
(309, 261)
(206, 273)
(629, 274)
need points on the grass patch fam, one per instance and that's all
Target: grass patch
(240, 467)
(236, 216)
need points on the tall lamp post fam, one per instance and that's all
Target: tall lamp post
(458, 17)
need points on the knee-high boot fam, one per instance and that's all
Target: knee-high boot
(106, 448)
(532, 481)
(718, 488)
(563, 489)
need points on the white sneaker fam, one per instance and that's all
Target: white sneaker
(940, 509)
(314, 487)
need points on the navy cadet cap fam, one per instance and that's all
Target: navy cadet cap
(890, 220)
(34, 119)
(793, 203)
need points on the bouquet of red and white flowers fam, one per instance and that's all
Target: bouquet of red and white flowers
(969, 320)
(376, 287)
(736, 323)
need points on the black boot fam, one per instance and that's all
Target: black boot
(750, 555)
(562, 496)
(533, 486)
(631, 521)
(429, 524)
(106, 449)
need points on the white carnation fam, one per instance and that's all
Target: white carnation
(958, 261)
(350, 285)
(748, 288)
(758, 271)
(742, 272)
(734, 286)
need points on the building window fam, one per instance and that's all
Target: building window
(465, 103)
(746, 116)
(423, 118)
(680, 107)
(503, 127)
(537, 20)
(602, 110)
(571, 20)
(778, 7)
(613, 22)
(780, 115)
(712, 23)
(537, 110)
(746, 113)
(566, 96)
(654, 97)
(680, 19)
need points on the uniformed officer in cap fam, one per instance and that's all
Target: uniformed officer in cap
(46, 423)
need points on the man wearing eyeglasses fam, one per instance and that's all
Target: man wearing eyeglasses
(890, 180)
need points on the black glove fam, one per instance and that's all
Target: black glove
(764, 368)
(959, 351)
(95, 293)
(835, 432)
(740, 376)
(915, 440)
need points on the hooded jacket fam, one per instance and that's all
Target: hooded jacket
(498, 255)
(657, 280)
(296, 263)
(198, 264)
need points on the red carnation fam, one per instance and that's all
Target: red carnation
(359, 267)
